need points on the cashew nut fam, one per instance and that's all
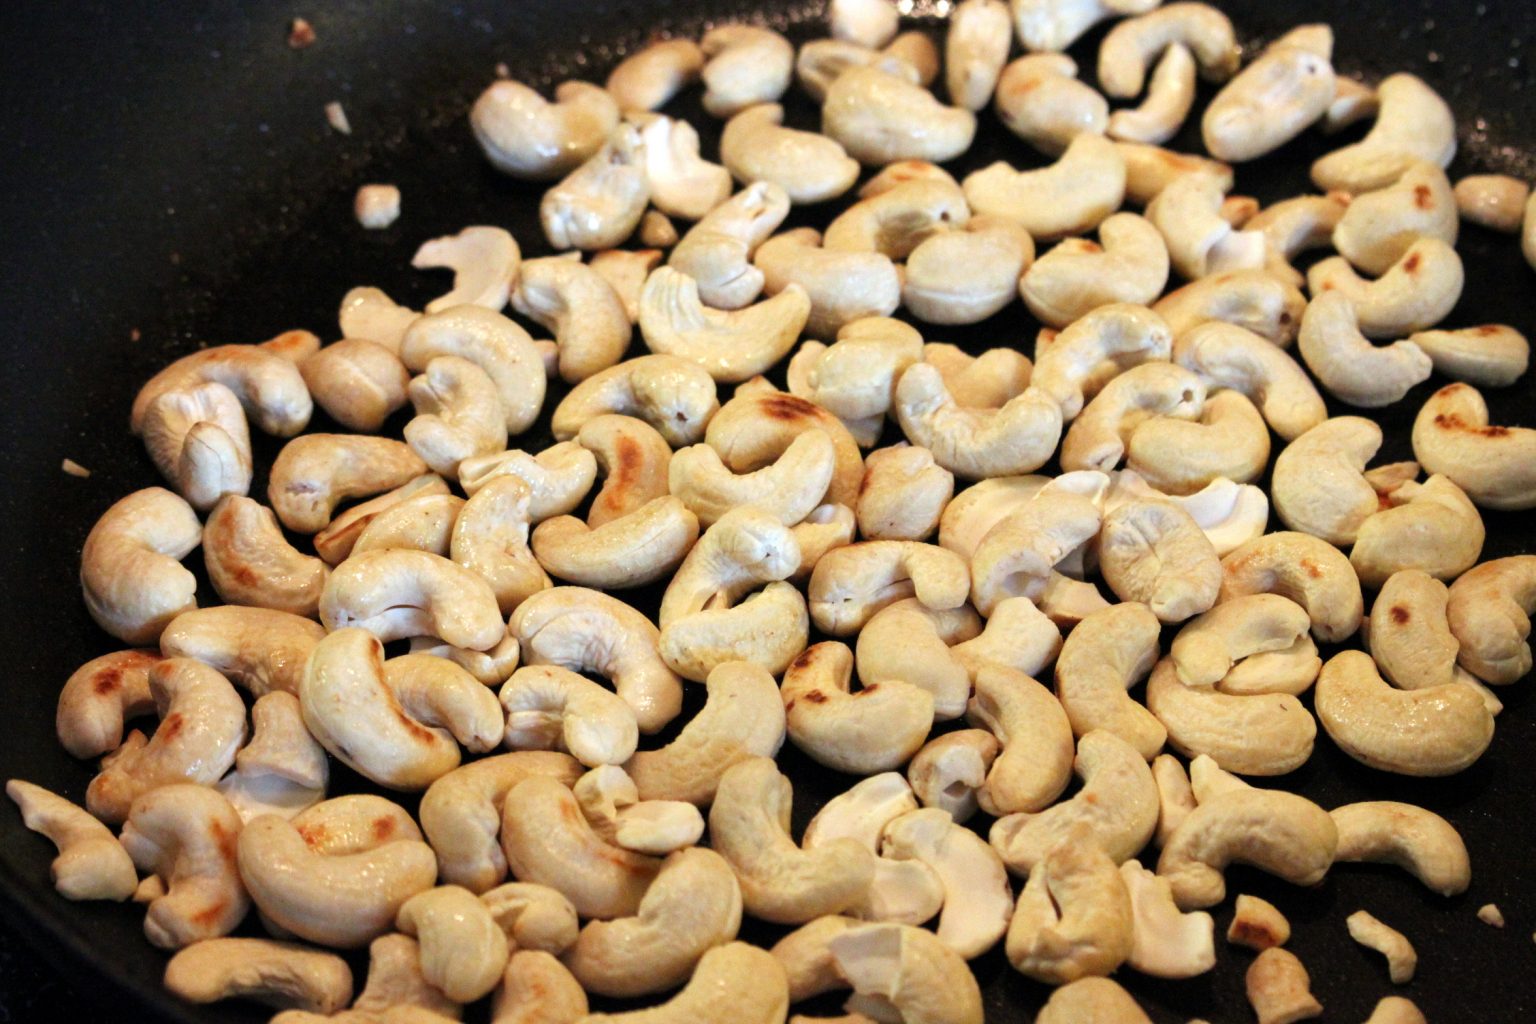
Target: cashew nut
(1035, 763)
(949, 770)
(1490, 355)
(1101, 1000)
(1039, 98)
(572, 299)
(851, 583)
(336, 541)
(746, 65)
(1274, 99)
(1252, 299)
(1017, 556)
(651, 76)
(1279, 989)
(810, 168)
(903, 494)
(1074, 915)
(1128, 49)
(1414, 839)
(400, 592)
(495, 344)
(1257, 643)
(268, 385)
(964, 276)
(1130, 264)
(187, 835)
(314, 473)
(976, 443)
(629, 551)
(598, 205)
(1391, 943)
(1104, 656)
(880, 117)
(1228, 356)
(1431, 526)
(1252, 733)
(843, 286)
(462, 949)
(1069, 197)
(484, 260)
(975, 50)
(1494, 465)
(278, 974)
(909, 642)
(895, 221)
(732, 346)
(1319, 485)
(1415, 293)
(1413, 124)
(91, 863)
(1349, 366)
(199, 441)
(1149, 169)
(735, 982)
(526, 136)
(250, 563)
(549, 707)
(1306, 569)
(874, 730)
(675, 395)
(681, 183)
(907, 973)
(129, 568)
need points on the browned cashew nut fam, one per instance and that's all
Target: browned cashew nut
(399, 593)
(1309, 571)
(99, 697)
(186, 835)
(258, 649)
(250, 562)
(129, 571)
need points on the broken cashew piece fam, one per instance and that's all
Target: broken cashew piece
(1279, 989)
(1074, 915)
(1389, 942)
(91, 863)
(896, 968)
(1165, 942)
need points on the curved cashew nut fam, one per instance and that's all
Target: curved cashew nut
(129, 568)
(1230, 514)
(1254, 734)
(650, 77)
(975, 50)
(397, 593)
(1123, 333)
(199, 441)
(1257, 643)
(1149, 169)
(259, 649)
(1295, 225)
(964, 276)
(1319, 484)
(1438, 730)
(822, 61)
(1409, 631)
(1274, 99)
(316, 472)
(1017, 557)
(526, 136)
(809, 167)
(693, 906)
(1281, 833)
(493, 343)
(625, 270)
(903, 494)
(1255, 300)
(874, 730)
(588, 631)
(490, 538)
(1415, 293)
(717, 251)
(187, 835)
(1228, 356)
(1494, 465)
(1074, 915)
(533, 917)
(856, 376)
(1416, 840)
(1306, 569)
(635, 460)
(250, 562)
(879, 117)
(629, 551)
(1229, 440)
(1200, 241)
(99, 697)
(598, 205)
(906, 971)
(369, 314)
(462, 949)
(1379, 226)
(734, 982)
(681, 183)
(851, 583)
(1039, 99)
(976, 443)
(357, 381)
(336, 541)
(1347, 365)
(1431, 526)
(559, 477)
(1129, 264)
(268, 385)
(746, 65)
(1413, 124)
(788, 489)
(732, 346)
(458, 414)
(484, 260)
(871, 23)
(1106, 654)
(742, 717)
(461, 813)
(549, 707)
(1035, 763)
(948, 771)
(1170, 95)
(1096, 999)
(1071, 196)
(1128, 49)
(1489, 613)
(894, 221)
(591, 327)
(91, 863)
(843, 286)
(282, 975)
(907, 641)
(977, 899)
(672, 394)
(1053, 25)
(1097, 438)
(612, 804)
(1490, 355)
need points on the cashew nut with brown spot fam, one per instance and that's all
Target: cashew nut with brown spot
(635, 460)
(876, 729)
(1258, 924)
(1489, 355)
(1071, 196)
(336, 541)
(1252, 299)
(187, 835)
(1415, 293)
(281, 975)
(1074, 915)
(1431, 526)
(129, 571)
(1279, 989)
(1104, 656)
(1492, 464)
(91, 863)
(530, 138)
(1379, 226)
(99, 697)
(250, 562)
(1306, 569)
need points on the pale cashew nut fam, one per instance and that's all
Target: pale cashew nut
(1097, 438)
(1274, 99)
(484, 260)
(202, 725)
(828, 526)
(1306, 569)
(693, 905)
(1319, 485)
(187, 835)
(1052, 25)
(975, 50)
(1279, 989)
(1378, 227)
(1493, 201)
(1200, 241)
(369, 314)
(843, 286)
(1415, 293)
(1396, 1010)
(1165, 943)
(526, 136)
(822, 61)
(1117, 805)
(874, 730)
(316, 472)
(680, 182)
(283, 769)
(1490, 355)
(1125, 333)
(851, 583)
(1431, 526)
(651, 76)
(1149, 169)
(1017, 557)
(250, 562)
(1255, 733)
(1416, 840)
(1107, 653)
(588, 631)
(895, 221)
(949, 770)
(1295, 225)
(717, 251)
(1071, 196)
(1257, 643)
(742, 718)
(1409, 631)
(1129, 47)
(281, 975)
(399, 592)
(787, 489)
(976, 443)
(732, 346)
(809, 167)
(547, 840)
(1391, 943)
(1413, 124)
(735, 982)
(871, 23)
(1281, 833)
(904, 891)
(907, 641)
(268, 385)
(1229, 440)
(855, 378)
(746, 65)
(675, 395)
(490, 539)
(1175, 796)
(1101, 1000)
(907, 973)
(458, 414)
(1347, 365)
(1252, 299)
(1494, 465)
(494, 344)
(1170, 95)
(625, 270)
(806, 959)
(1129, 264)
(977, 899)
(130, 571)
(1228, 356)
(91, 863)
(630, 551)
(462, 949)
(1074, 915)
(559, 477)
(533, 917)
(1230, 514)
(598, 205)
(199, 441)
(1040, 99)
(880, 117)
(358, 382)
(336, 541)
(1035, 763)
(549, 707)
(965, 276)
(612, 804)
(572, 299)
(903, 494)
(1429, 732)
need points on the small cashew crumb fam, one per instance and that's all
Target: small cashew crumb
(1490, 914)
(1258, 924)
(377, 206)
(1279, 989)
(1391, 943)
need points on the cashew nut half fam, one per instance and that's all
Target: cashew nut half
(1416, 840)
(746, 65)
(904, 972)
(1074, 915)
(484, 260)
(462, 949)
(91, 863)
(1101, 1000)
(526, 136)
(1228, 356)
(1494, 465)
(1165, 943)
(851, 583)
(1279, 989)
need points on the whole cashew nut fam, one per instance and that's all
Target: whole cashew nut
(278, 974)
(1347, 365)
(397, 593)
(484, 260)
(1489, 355)
(874, 730)
(672, 394)
(1255, 734)
(1035, 763)
(1378, 227)
(630, 551)
(1492, 464)
(526, 136)
(1306, 569)
(1074, 915)
(268, 385)
(1129, 47)
(1104, 656)
(316, 472)
(462, 949)
(549, 707)
(129, 568)
(1416, 840)
(1274, 99)
(745, 65)
(965, 276)
(1071, 196)
(651, 76)
(187, 834)
(975, 50)
(880, 117)
(494, 344)
(199, 441)
(851, 583)
(1413, 124)
(809, 167)
(1039, 98)
(976, 443)
(843, 286)
(732, 346)
(1431, 526)
(1415, 293)
(1255, 300)
(598, 205)
(256, 648)
(250, 562)
(1228, 356)
(591, 327)
(1129, 264)
(734, 982)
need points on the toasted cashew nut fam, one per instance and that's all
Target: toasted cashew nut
(963, 277)
(199, 441)
(1252, 299)
(975, 50)
(1431, 526)
(1353, 101)
(598, 205)
(1040, 99)
(1069, 197)
(743, 717)
(588, 631)
(1053, 25)
(1170, 95)
(1391, 943)
(1016, 558)
(976, 443)
(1489, 613)
(250, 562)
(870, 23)
(462, 949)
(1149, 169)
(788, 489)
(732, 346)
(1415, 293)
(281, 975)
(907, 641)
(358, 382)
(851, 583)
(1379, 226)
(570, 298)
(1491, 355)
(1274, 831)
(874, 730)
(1279, 989)
(129, 568)
(493, 343)
(1494, 465)
(1074, 915)
(1121, 332)
(283, 769)
(843, 286)
(369, 314)
(400, 592)
(896, 220)
(1416, 840)
(424, 523)
(651, 76)
(1257, 643)
(314, 473)
(905, 891)
(1274, 99)
(1347, 365)
(672, 394)
(1152, 551)
(1255, 733)
(630, 551)
(1129, 47)
(1319, 485)
(1230, 514)
(906, 971)
(769, 629)
(484, 260)
(1410, 635)
(1104, 656)
(1258, 924)
(1118, 805)
(202, 725)
(547, 840)
(693, 905)
(903, 494)
(1200, 241)
(549, 707)
(396, 991)
(822, 61)
(880, 117)
(1438, 730)
(746, 65)
(526, 136)
(1228, 356)
(810, 168)
(490, 538)
(1101, 1000)
(987, 381)
(1414, 123)
(1181, 457)
(735, 982)
(186, 835)
(1130, 264)
(461, 813)
(336, 541)
(1307, 570)
(1493, 201)
(268, 385)
(533, 917)
(1035, 763)
(1295, 225)
(717, 251)
(91, 863)
(807, 960)
(99, 697)
(635, 459)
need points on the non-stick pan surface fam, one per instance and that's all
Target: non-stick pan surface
(169, 181)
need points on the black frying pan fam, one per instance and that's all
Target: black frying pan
(169, 180)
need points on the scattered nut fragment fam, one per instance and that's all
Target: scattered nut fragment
(74, 468)
(1396, 1010)
(1494, 201)
(1279, 989)
(1258, 924)
(300, 34)
(1490, 914)
(377, 206)
(1391, 943)
(336, 117)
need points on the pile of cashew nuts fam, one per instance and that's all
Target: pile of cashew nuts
(966, 638)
